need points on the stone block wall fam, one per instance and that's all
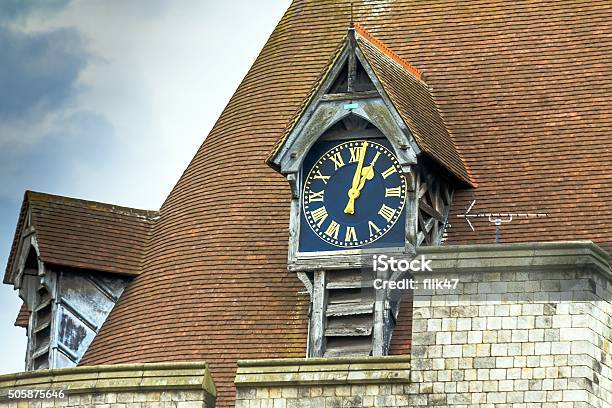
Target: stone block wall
(323, 382)
(178, 385)
(527, 326)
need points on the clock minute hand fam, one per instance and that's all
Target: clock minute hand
(357, 176)
(358, 182)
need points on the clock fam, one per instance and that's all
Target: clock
(353, 196)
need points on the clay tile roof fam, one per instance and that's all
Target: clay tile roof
(23, 317)
(523, 91)
(85, 234)
(415, 103)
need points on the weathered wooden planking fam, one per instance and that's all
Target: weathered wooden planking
(344, 309)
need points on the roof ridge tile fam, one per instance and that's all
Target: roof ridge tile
(38, 197)
(366, 35)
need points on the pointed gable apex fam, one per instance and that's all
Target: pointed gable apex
(400, 85)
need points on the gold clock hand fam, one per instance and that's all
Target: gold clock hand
(366, 173)
(357, 176)
(353, 192)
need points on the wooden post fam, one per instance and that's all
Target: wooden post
(317, 317)
(378, 331)
(352, 62)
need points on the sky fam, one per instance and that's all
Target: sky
(108, 100)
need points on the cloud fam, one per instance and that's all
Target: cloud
(39, 71)
(45, 136)
(56, 160)
(16, 11)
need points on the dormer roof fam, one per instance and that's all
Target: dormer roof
(403, 85)
(83, 234)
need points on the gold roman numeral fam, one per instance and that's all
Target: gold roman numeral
(338, 160)
(354, 153)
(333, 229)
(314, 196)
(386, 212)
(373, 228)
(319, 176)
(351, 234)
(389, 172)
(392, 192)
(319, 215)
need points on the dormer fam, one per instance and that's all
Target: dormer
(71, 260)
(368, 93)
(372, 168)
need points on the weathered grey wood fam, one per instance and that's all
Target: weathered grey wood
(425, 231)
(327, 113)
(303, 276)
(442, 232)
(344, 309)
(352, 61)
(351, 259)
(432, 218)
(430, 210)
(412, 212)
(349, 330)
(349, 326)
(350, 96)
(357, 283)
(317, 318)
(347, 279)
(380, 316)
(347, 296)
(294, 224)
(346, 347)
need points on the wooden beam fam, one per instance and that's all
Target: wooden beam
(352, 64)
(348, 309)
(378, 332)
(430, 210)
(349, 96)
(425, 231)
(350, 327)
(317, 317)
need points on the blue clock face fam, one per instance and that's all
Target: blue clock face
(353, 196)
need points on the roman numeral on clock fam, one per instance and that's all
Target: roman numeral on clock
(333, 229)
(319, 176)
(338, 160)
(314, 196)
(389, 172)
(386, 212)
(351, 234)
(373, 228)
(319, 215)
(354, 153)
(392, 192)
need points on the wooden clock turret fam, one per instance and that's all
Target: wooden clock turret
(372, 169)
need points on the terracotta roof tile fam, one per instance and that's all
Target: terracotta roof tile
(23, 317)
(415, 103)
(523, 87)
(85, 234)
